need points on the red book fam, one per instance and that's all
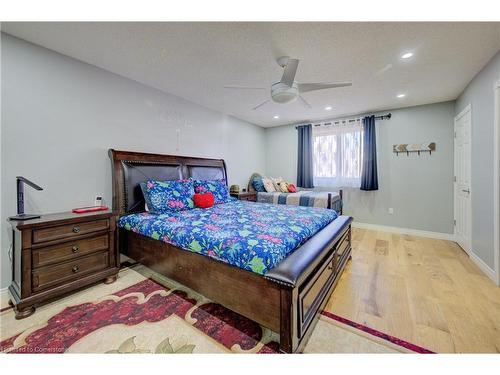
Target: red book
(82, 210)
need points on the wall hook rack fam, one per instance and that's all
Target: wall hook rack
(414, 147)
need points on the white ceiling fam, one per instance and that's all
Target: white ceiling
(195, 61)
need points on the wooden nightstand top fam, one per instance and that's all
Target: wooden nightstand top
(60, 218)
(245, 195)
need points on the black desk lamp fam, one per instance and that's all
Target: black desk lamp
(20, 199)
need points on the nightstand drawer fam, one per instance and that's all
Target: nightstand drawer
(68, 231)
(47, 277)
(69, 250)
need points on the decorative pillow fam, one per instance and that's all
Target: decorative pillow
(283, 186)
(258, 185)
(276, 182)
(204, 200)
(292, 188)
(268, 184)
(217, 187)
(164, 196)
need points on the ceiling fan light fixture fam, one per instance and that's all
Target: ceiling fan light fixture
(400, 96)
(281, 93)
(407, 55)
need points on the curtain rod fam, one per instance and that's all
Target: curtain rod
(330, 122)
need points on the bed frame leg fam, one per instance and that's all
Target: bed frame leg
(287, 325)
(289, 336)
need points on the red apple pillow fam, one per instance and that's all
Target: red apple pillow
(204, 200)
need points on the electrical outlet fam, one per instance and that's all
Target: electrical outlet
(390, 210)
(98, 200)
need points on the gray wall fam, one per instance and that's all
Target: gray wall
(418, 188)
(60, 116)
(479, 93)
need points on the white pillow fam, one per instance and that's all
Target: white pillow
(268, 184)
(276, 182)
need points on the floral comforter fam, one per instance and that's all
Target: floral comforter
(252, 236)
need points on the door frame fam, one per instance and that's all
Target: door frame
(468, 108)
(496, 180)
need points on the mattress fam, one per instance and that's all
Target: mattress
(305, 198)
(252, 236)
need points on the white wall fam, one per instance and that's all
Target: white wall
(60, 116)
(479, 93)
(418, 188)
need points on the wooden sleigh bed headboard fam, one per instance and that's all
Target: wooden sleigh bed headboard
(130, 168)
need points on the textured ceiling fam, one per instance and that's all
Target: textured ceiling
(195, 61)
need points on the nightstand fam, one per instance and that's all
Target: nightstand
(245, 196)
(60, 253)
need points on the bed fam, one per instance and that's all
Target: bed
(284, 292)
(309, 198)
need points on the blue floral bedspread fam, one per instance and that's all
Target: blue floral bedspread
(252, 236)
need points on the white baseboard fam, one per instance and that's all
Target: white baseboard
(412, 232)
(483, 267)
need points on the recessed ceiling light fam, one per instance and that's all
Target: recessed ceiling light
(407, 55)
(276, 117)
(401, 96)
(328, 108)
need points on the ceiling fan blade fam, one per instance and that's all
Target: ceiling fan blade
(244, 88)
(289, 72)
(260, 105)
(305, 87)
(304, 102)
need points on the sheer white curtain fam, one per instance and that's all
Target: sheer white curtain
(337, 154)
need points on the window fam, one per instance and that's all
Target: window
(337, 154)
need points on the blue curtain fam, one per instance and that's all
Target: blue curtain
(305, 157)
(369, 179)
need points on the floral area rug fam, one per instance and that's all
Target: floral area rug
(143, 312)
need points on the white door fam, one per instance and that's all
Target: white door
(462, 189)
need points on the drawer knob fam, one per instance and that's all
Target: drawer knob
(76, 229)
(74, 249)
(76, 269)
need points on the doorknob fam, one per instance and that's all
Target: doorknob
(466, 191)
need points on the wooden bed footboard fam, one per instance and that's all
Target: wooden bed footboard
(330, 203)
(302, 303)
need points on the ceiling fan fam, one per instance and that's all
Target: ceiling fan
(288, 90)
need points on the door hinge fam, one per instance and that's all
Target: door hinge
(454, 222)
(454, 178)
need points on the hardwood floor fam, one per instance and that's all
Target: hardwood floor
(422, 290)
